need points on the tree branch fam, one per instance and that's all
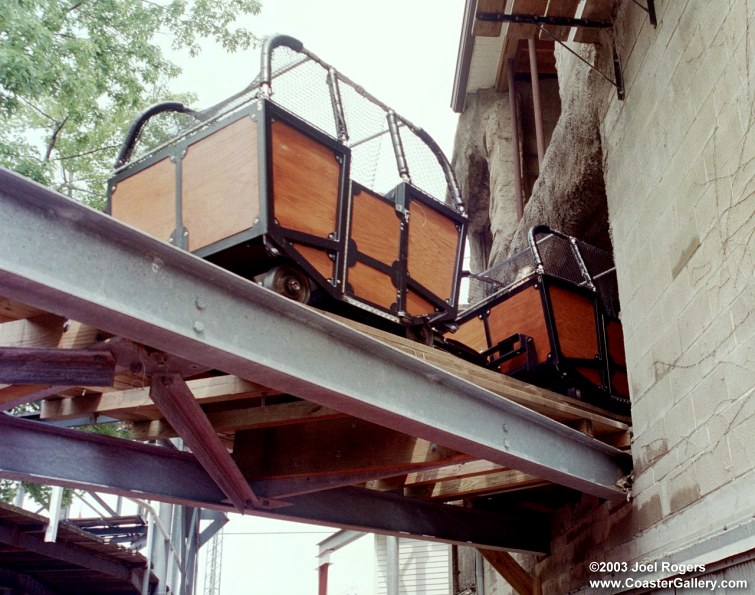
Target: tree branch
(54, 138)
(38, 110)
(85, 153)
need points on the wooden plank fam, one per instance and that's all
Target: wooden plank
(593, 9)
(247, 418)
(553, 405)
(10, 310)
(462, 480)
(488, 28)
(48, 331)
(306, 181)
(333, 446)
(147, 200)
(375, 227)
(433, 247)
(371, 285)
(505, 564)
(521, 313)
(559, 8)
(576, 326)
(478, 485)
(515, 34)
(220, 185)
(465, 469)
(135, 404)
(13, 395)
(64, 367)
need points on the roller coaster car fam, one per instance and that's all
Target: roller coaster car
(319, 205)
(549, 316)
(313, 188)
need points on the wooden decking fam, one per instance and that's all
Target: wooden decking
(277, 436)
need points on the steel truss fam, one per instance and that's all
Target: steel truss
(60, 256)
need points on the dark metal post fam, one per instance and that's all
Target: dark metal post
(536, 103)
(337, 104)
(517, 160)
(398, 147)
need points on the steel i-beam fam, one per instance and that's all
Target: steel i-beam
(65, 258)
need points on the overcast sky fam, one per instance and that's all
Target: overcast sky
(404, 53)
(401, 51)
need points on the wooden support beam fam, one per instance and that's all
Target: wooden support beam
(505, 564)
(478, 485)
(465, 469)
(247, 418)
(48, 331)
(515, 33)
(462, 480)
(593, 9)
(488, 28)
(65, 367)
(13, 395)
(559, 8)
(11, 310)
(135, 404)
(334, 446)
(174, 397)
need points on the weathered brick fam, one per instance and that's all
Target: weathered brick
(679, 422)
(714, 468)
(683, 488)
(710, 395)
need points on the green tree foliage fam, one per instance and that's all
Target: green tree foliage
(74, 73)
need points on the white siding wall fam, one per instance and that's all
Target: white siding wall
(424, 567)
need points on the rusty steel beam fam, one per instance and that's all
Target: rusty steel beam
(176, 402)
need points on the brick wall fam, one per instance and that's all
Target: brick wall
(679, 162)
(679, 158)
(680, 177)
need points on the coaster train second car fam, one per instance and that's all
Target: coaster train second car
(314, 188)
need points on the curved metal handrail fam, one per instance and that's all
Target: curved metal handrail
(138, 124)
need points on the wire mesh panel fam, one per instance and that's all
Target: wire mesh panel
(299, 83)
(302, 84)
(560, 256)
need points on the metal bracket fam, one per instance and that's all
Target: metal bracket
(540, 21)
(617, 81)
(533, 19)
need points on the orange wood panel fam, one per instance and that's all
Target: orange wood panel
(615, 340)
(433, 246)
(147, 200)
(521, 313)
(319, 259)
(306, 178)
(372, 285)
(574, 316)
(472, 334)
(416, 305)
(220, 184)
(375, 227)
(620, 384)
